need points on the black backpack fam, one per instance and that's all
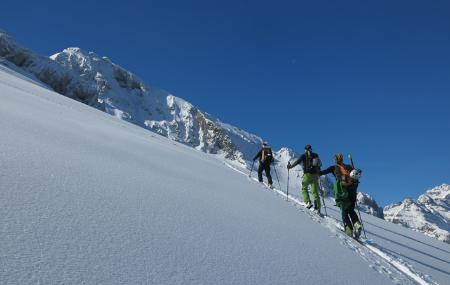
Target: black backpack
(312, 163)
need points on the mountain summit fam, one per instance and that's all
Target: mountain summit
(102, 84)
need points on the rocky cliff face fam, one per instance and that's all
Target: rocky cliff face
(429, 214)
(100, 83)
(368, 205)
(45, 70)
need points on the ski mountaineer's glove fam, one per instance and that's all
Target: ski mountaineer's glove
(289, 165)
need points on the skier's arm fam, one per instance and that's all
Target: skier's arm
(297, 161)
(258, 155)
(327, 171)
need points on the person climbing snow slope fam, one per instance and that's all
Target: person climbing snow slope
(345, 193)
(310, 163)
(265, 157)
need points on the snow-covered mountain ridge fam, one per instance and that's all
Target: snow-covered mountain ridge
(102, 84)
(429, 214)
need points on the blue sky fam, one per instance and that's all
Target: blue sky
(367, 77)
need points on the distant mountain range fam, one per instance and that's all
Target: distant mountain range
(429, 214)
(100, 83)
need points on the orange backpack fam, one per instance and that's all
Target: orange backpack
(343, 172)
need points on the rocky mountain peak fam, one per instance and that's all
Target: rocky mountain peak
(429, 214)
(368, 204)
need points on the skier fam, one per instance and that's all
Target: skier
(265, 159)
(310, 163)
(345, 194)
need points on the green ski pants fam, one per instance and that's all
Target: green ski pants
(313, 180)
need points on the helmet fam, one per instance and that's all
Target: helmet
(308, 147)
(265, 143)
(356, 174)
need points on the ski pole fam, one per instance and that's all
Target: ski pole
(287, 189)
(250, 175)
(323, 199)
(274, 168)
(351, 160)
(360, 218)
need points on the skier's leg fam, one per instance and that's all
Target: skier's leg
(260, 170)
(348, 228)
(355, 221)
(352, 201)
(305, 183)
(353, 216)
(315, 191)
(269, 177)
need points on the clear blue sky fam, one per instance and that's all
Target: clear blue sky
(367, 77)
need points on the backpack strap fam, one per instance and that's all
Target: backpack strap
(308, 160)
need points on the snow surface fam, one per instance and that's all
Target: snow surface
(86, 198)
(100, 83)
(424, 260)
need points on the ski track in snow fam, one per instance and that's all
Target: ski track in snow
(394, 268)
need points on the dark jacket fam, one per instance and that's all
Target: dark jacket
(268, 159)
(307, 163)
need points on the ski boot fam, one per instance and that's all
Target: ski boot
(348, 231)
(357, 232)
(309, 205)
(316, 208)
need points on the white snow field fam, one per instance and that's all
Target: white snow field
(86, 198)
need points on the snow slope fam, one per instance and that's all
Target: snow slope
(425, 260)
(102, 84)
(88, 198)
